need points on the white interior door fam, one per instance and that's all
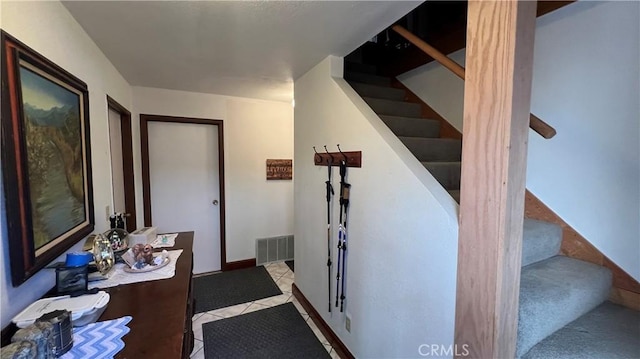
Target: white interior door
(183, 176)
(117, 176)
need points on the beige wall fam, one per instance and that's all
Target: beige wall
(254, 130)
(48, 28)
(402, 234)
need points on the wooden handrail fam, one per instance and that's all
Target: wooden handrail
(536, 124)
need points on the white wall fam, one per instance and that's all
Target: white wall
(254, 130)
(48, 28)
(586, 81)
(402, 244)
(435, 83)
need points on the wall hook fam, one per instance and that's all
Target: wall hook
(342, 153)
(330, 155)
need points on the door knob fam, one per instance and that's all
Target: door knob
(215, 202)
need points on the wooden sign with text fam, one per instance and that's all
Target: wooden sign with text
(279, 169)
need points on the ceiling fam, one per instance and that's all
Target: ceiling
(239, 48)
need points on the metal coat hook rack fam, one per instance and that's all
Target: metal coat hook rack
(352, 158)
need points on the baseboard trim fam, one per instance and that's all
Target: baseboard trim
(333, 339)
(246, 263)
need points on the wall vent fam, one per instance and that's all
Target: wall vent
(274, 249)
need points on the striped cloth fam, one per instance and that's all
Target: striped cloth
(98, 340)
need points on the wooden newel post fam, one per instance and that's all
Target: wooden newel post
(496, 117)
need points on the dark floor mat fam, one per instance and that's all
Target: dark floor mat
(290, 264)
(221, 290)
(277, 332)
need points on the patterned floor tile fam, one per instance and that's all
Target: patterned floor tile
(295, 302)
(285, 284)
(197, 324)
(317, 332)
(230, 311)
(276, 300)
(197, 345)
(198, 355)
(276, 271)
(196, 316)
(284, 278)
(288, 274)
(253, 307)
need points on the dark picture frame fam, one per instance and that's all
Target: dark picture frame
(46, 158)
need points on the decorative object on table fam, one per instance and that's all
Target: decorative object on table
(140, 258)
(62, 330)
(117, 235)
(41, 334)
(103, 253)
(84, 309)
(46, 159)
(142, 255)
(164, 240)
(122, 272)
(71, 280)
(98, 340)
(279, 169)
(25, 349)
(143, 235)
(78, 259)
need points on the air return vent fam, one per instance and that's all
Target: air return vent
(274, 249)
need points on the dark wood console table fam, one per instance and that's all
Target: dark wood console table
(161, 310)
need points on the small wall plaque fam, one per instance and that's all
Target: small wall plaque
(279, 169)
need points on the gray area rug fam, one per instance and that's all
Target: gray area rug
(221, 290)
(278, 332)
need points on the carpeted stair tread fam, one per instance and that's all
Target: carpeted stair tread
(350, 66)
(610, 331)
(385, 92)
(434, 149)
(394, 108)
(447, 173)
(412, 126)
(367, 78)
(555, 292)
(541, 240)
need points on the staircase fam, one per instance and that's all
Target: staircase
(561, 299)
(441, 156)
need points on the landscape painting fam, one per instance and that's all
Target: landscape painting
(46, 158)
(52, 130)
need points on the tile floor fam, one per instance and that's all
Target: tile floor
(283, 277)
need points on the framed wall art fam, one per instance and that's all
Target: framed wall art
(279, 169)
(46, 162)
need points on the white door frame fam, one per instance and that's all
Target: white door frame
(146, 182)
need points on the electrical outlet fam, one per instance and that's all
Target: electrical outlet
(347, 323)
(107, 211)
